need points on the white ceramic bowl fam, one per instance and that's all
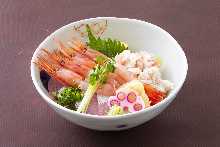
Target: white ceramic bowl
(139, 35)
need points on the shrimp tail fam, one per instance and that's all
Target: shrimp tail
(51, 69)
(67, 52)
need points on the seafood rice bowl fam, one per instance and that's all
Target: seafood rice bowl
(109, 73)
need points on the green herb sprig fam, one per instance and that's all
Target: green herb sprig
(97, 77)
(109, 47)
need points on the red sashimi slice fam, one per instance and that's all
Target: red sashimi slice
(97, 109)
(93, 106)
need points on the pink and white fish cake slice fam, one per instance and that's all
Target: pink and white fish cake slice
(130, 102)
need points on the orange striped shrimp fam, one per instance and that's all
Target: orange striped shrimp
(76, 64)
(76, 46)
(56, 71)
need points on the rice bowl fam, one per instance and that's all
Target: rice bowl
(140, 36)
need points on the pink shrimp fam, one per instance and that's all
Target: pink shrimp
(76, 46)
(82, 47)
(76, 66)
(63, 75)
(82, 60)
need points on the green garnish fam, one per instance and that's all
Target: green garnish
(68, 96)
(108, 46)
(97, 77)
(100, 60)
(99, 73)
(115, 110)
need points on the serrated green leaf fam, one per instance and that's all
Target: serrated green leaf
(108, 46)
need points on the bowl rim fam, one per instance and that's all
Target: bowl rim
(171, 95)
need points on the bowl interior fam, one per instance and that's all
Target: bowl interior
(138, 35)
